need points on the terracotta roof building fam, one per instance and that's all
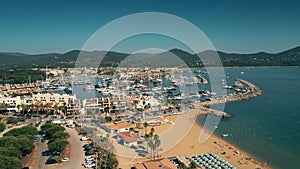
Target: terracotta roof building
(156, 164)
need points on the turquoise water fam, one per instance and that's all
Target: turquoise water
(268, 126)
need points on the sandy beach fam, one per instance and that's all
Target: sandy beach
(190, 145)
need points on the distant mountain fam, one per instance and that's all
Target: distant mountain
(173, 57)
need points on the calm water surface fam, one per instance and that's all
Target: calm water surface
(267, 126)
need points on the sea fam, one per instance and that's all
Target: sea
(267, 126)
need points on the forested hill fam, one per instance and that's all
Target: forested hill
(289, 57)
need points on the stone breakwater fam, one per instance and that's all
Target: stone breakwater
(205, 110)
(247, 91)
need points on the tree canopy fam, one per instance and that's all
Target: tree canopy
(23, 143)
(52, 130)
(10, 162)
(27, 130)
(61, 135)
(11, 152)
(2, 127)
(58, 145)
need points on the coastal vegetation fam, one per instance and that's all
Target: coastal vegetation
(153, 142)
(15, 120)
(13, 64)
(2, 127)
(57, 136)
(13, 75)
(16, 144)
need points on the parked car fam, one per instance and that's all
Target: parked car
(89, 158)
(55, 153)
(87, 148)
(90, 161)
(83, 138)
(41, 132)
(86, 145)
(47, 153)
(50, 160)
(90, 152)
(65, 159)
(89, 165)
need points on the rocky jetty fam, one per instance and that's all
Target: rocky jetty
(246, 91)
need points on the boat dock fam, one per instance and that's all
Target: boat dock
(249, 91)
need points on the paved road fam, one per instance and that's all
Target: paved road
(76, 155)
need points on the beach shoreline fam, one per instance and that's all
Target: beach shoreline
(190, 146)
(257, 160)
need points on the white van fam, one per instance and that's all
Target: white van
(83, 138)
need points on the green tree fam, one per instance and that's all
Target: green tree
(145, 126)
(58, 145)
(112, 162)
(10, 162)
(46, 126)
(3, 106)
(108, 119)
(11, 152)
(2, 127)
(27, 130)
(135, 103)
(147, 137)
(14, 120)
(55, 128)
(61, 135)
(157, 143)
(23, 143)
(152, 132)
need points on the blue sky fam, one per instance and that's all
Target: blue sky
(232, 26)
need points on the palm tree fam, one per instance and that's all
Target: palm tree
(18, 107)
(30, 107)
(40, 107)
(35, 108)
(152, 132)
(157, 144)
(23, 106)
(138, 124)
(147, 137)
(47, 107)
(145, 126)
(60, 108)
(135, 102)
(55, 108)
(112, 162)
(3, 106)
(148, 105)
(152, 147)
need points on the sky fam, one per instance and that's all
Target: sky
(35, 26)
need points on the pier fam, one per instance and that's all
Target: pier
(218, 113)
(249, 91)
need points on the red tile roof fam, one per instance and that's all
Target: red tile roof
(130, 139)
(156, 164)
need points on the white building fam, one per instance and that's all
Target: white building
(127, 139)
(13, 103)
(57, 98)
